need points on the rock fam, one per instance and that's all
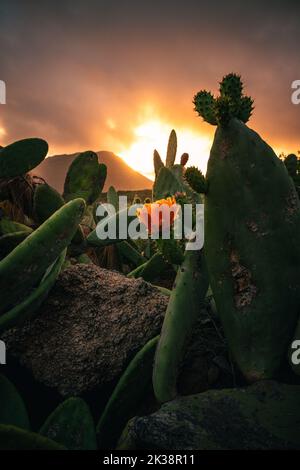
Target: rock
(263, 416)
(88, 329)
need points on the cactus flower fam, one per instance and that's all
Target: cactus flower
(159, 214)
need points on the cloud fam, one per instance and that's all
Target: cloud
(69, 69)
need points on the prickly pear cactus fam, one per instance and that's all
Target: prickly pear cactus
(23, 268)
(21, 157)
(85, 178)
(46, 201)
(158, 163)
(12, 407)
(189, 291)
(128, 396)
(15, 438)
(171, 150)
(230, 104)
(71, 425)
(252, 247)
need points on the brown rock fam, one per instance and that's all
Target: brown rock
(88, 329)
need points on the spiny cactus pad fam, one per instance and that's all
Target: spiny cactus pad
(230, 104)
(21, 157)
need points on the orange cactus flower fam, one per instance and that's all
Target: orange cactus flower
(159, 214)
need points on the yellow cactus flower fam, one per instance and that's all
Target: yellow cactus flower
(158, 214)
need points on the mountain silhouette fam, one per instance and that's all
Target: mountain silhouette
(119, 174)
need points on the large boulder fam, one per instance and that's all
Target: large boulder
(263, 416)
(88, 329)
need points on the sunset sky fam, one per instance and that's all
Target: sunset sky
(119, 75)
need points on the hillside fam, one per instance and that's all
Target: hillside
(119, 175)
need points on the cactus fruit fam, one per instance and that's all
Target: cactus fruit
(184, 306)
(172, 149)
(71, 425)
(252, 226)
(46, 201)
(204, 103)
(21, 157)
(14, 438)
(24, 267)
(158, 163)
(85, 178)
(127, 397)
(184, 159)
(230, 104)
(12, 408)
(27, 308)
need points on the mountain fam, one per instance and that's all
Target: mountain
(121, 176)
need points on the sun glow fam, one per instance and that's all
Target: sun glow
(154, 134)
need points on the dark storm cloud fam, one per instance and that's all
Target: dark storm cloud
(71, 65)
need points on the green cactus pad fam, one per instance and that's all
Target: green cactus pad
(71, 425)
(232, 87)
(152, 269)
(158, 163)
(129, 253)
(245, 109)
(85, 178)
(172, 149)
(12, 408)
(129, 394)
(14, 438)
(21, 157)
(190, 288)
(112, 197)
(8, 226)
(204, 103)
(10, 241)
(26, 309)
(230, 104)
(252, 248)
(195, 179)
(23, 268)
(46, 201)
